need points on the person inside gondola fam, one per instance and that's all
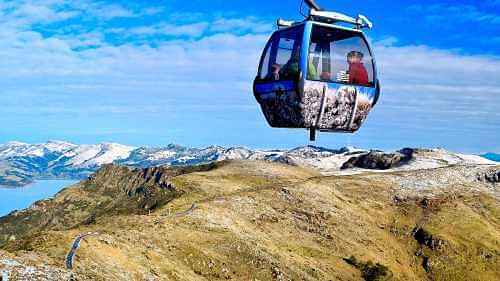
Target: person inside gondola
(357, 71)
(291, 69)
(274, 75)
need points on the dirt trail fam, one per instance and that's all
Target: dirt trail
(74, 248)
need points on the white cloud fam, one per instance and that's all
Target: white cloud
(248, 24)
(438, 96)
(454, 13)
(39, 13)
(190, 30)
(422, 68)
(224, 55)
(199, 28)
(217, 59)
(30, 12)
(152, 11)
(81, 71)
(111, 11)
(24, 14)
(213, 60)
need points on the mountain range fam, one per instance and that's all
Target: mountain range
(22, 163)
(262, 220)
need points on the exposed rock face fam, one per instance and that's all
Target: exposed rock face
(20, 268)
(492, 176)
(377, 160)
(113, 190)
(21, 164)
(257, 220)
(424, 238)
(147, 188)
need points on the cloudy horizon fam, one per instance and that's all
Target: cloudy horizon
(159, 72)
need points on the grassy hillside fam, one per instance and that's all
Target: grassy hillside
(265, 221)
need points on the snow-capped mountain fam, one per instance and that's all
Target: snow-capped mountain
(75, 155)
(21, 163)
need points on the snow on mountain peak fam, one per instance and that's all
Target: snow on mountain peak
(311, 151)
(15, 143)
(61, 159)
(13, 149)
(20, 149)
(59, 146)
(98, 154)
(60, 153)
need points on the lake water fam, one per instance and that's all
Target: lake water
(21, 198)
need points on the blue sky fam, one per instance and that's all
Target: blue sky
(159, 72)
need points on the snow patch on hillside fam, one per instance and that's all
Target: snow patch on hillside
(63, 159)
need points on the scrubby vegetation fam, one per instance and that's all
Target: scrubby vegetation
(264, 221)
(370, 271)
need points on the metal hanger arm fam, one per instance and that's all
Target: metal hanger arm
(313, 5)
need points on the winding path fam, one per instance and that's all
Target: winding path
(187, 212)
(76, 244)
(180, 214)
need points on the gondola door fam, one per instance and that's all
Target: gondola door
(341, 80)
(276, 85)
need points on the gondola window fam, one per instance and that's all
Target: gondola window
(282, 56)
(340, 56)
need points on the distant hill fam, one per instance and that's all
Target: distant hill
(492, 156)
(261, 220)
(21, 163)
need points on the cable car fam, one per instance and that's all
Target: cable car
(318, 74)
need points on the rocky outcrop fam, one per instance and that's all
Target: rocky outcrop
(21, 268)
(256, 220)
(145, 188)
(425, 238)
(113, 190)
(377, 160)
(491, 176)
(23, 163)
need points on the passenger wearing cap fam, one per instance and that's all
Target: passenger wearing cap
(357, 71)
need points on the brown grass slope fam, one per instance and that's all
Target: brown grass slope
(264, 221)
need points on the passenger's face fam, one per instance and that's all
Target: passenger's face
(353, 59)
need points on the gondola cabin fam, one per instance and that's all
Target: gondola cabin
(318, 74)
